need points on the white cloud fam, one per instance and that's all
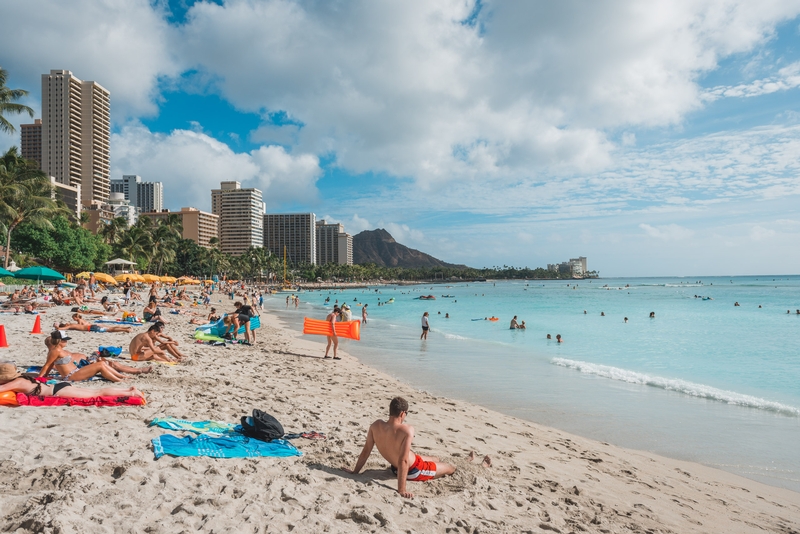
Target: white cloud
(122, 45)
(408, 89)
(787, 78)
(759, 233)
(191, 163)
(404, 234)
(669, 232)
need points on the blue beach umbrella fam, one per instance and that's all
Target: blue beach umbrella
(38, 273)
(4, 272)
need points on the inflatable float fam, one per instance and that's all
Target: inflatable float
(218, 328)
(346, 329)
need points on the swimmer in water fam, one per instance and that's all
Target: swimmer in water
(558, 338)
(548, 336)
(602, 314)
(625, 320)
(652, 315)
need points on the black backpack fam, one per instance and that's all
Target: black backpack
(262, 426)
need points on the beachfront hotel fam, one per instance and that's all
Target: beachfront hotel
(199, 226)
(241, 217)
(31, 141)
(334, 245)
(76, 131)
(293, 232)
(147, 196)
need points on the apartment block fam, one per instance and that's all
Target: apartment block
(241, 217)
(31, 141)
(76, 132)
(100, 214)
(199, 226)
(293, 232)
(147, 196)
(71, 196)
(123, 208)
(334, 245)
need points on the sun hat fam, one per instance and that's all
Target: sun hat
(8, 372)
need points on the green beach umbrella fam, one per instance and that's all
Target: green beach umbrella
(3, 272)
(38, 273)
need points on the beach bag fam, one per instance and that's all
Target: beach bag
(261, 426)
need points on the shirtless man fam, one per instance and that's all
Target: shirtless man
(393, 439)
(143, 347)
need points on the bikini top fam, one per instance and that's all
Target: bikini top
(64, 361)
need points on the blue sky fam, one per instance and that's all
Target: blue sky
(655, 139)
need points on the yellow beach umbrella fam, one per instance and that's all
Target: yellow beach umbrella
(149, 278)
(84, 274)
(105, 278)
(133, 277)
(208, 281)
(168, 279)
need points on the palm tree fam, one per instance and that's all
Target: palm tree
(165, 239)
(113, 229)
(25, 196)
(7, 104)
(135, 245)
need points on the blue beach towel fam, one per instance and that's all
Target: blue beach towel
(198, 427)
(218, 328)
(221, 446)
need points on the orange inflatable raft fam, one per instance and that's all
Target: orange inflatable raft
(347, 329)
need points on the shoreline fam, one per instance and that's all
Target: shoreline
(92, 469)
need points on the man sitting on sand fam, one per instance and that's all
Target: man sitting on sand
(393, 439)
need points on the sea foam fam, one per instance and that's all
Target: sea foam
(681, 386)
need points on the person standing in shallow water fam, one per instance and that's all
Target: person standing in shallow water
(425, 326)
(364, 314)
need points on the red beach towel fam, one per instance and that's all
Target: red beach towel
(38, 400)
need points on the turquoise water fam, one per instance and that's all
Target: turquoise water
(704, 380)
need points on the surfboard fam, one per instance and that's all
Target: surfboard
(346, 329)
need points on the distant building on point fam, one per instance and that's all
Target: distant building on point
(575, 267)
(334, 245)
(199, 226)
(147, 196)
(296, 232)
(99, 215)
(76, 133)
(31, 141)
(241, 217)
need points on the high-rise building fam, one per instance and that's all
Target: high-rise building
(147, 196)
(31, 141)
(123, 208)
(199, 226)
(71, 196)
(334, 245)
(76, 132)
(296, 232)
(241, 217)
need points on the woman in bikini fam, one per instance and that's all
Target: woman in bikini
(82, 325)
(11, 380)
(64, 362)
(117, 366)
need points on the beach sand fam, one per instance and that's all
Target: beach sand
(76, 469)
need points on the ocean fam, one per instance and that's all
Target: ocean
(704, 380)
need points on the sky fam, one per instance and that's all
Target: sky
(655, 138)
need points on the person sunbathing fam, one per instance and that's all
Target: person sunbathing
(112, 307)
(81, 361)
(393, 439)
(64, 362)
(143, 346)
(151, 311)
(11, 380)
(82, 325)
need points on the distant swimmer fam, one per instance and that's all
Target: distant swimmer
(625, 319)
(548, 336)
(522, 326)
(558, 338)
(652, 315)
(735, 303)
(446, 315)
(759, 305)
(602, 314)
(514, 324)
(584, 312)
